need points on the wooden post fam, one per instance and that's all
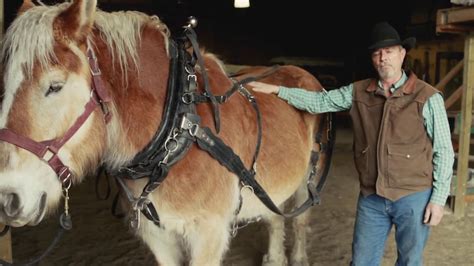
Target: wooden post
(465, 131)
(5, 240)
(5, 245)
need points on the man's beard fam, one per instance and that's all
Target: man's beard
(385, 72)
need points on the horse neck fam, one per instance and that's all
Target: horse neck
(138, 95)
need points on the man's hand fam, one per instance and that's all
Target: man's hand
(433, 214)
(264, 87)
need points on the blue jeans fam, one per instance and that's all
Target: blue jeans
(375, 217)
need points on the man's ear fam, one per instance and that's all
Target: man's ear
(403, 51)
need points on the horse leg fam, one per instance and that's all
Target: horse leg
(208, 241)
(298, 255)
(276, 237)
(163, 244)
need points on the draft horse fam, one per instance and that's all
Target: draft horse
(85, 88)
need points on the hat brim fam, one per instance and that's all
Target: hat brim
(408, 43)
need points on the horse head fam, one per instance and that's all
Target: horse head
(47, 87)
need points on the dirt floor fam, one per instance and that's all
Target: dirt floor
(98, 238)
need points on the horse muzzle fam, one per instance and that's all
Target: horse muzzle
(14, 213)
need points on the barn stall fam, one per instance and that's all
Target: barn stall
(99, 238)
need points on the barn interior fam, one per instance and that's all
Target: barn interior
(330, 40)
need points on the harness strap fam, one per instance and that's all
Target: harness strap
(254, 104)
(207, 141)
(191, 35)
(327, 149)
(194, 97)
(238, 84)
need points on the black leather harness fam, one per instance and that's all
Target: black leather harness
(181, 127)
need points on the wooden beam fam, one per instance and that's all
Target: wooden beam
(469, 198)
(465, 131)
(454, 97)
(470, 158)
(457, 15)
(455, 20)
(446, 79)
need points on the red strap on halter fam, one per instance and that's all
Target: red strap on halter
(48, 150)
(98, 87)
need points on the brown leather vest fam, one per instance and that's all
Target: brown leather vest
(392, 151)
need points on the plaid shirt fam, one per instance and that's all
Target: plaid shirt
(435, 122)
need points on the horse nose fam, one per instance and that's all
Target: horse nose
(11, 204)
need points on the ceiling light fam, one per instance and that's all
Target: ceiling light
(241, 3)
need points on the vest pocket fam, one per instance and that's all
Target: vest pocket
(361, 160)
(408, 166)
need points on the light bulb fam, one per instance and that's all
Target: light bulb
(241, 3)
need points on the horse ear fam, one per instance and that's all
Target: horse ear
(27, 4)
(76, 21)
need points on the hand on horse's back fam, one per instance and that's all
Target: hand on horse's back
(264, 87)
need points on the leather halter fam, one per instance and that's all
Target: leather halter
(48, 150)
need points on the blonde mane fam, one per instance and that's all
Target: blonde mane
(30, 38)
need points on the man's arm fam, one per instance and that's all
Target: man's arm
(264, 87)
(311, 101)
(437, 127)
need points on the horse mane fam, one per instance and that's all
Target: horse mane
(30, 38)
(121, 31)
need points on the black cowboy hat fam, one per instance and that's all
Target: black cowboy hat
(384, 35)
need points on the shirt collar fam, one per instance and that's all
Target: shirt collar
(406, 84)
(395, 85)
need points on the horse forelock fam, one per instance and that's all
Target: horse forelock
(28, 40)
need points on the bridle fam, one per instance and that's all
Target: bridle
(48, 150)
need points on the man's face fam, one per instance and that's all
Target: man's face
(388, 61)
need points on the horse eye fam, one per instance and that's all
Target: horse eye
(54, 87)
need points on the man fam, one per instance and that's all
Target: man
(402, 150)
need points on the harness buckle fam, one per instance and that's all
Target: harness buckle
(193, 77)
(187, 124)
(187, 98)
(171, 144)
(194, 130)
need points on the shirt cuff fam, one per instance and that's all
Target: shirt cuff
(438, 198)
(283, 92)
